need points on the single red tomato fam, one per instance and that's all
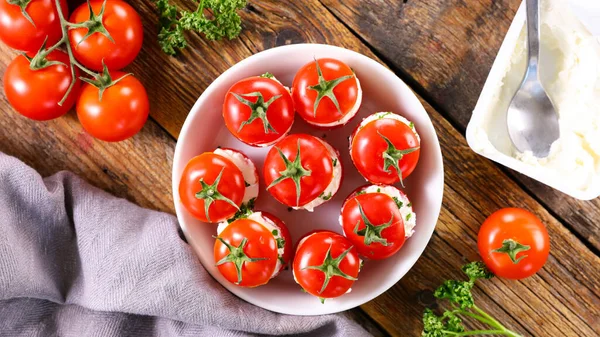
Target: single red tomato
(326, 264)
(298, 169)
(212, 187)
(258, 111)
(326, 93)
(246, 253)
(283, 238)
(119, 114)
(385, 148)
(17, 31)
(374, 224)
(124, 26)
(36, 93)
(513, 243)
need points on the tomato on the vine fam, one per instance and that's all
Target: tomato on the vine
(246, 253)
(302, 171)
(36, 93)
(258, 110)
(385, 148)
(116, 44)
(326, 264)
(17, 30)
(373, 223)
(212, 187)
(119, 113)
(513, 243)
(326, 93)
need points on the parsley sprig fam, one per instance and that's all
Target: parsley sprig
(215, 18)
(458, 293)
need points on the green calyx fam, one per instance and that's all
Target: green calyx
(372, 233)
(512, 248)
(325, 89)
(210, 194)
(93, 24)
(259, 109)
(293, 170)
(237, 256)
(23, 6)
(392, 157)
(331, 267)
(40, 60)
(103, 81)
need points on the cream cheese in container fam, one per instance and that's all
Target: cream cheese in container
(570, 73)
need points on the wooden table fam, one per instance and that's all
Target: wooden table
(443, 49)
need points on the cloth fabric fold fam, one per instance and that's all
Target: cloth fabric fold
(76, 261)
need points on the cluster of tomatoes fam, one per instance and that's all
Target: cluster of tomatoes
(303, 172)
(44, 83)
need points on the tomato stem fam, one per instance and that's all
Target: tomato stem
(371, 232)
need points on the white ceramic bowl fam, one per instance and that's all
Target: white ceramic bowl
(204, 129)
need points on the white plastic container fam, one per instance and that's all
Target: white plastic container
(481, 111)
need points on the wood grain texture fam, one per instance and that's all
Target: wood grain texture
(447, 48)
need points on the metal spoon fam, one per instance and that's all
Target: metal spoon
(532, 119)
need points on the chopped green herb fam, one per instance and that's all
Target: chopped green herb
(378, 190)
(334, 160)
(267, 75)
(282, 261)
(398, 202)
(244, 211)
(275, 232)
(408, 216)
(411, 125)
(325, 197)
(360, 192)
(246, 184)
(280, 242)
(409, 204)
(383, 115)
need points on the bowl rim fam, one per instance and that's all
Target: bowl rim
(391, 77)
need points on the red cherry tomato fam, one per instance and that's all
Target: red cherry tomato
(376, 159)
(513, 243)
(36, 93)
(287, 243)
(124, 26)
(120, 114)
(17, 32)
(246, 253)
(211, 182)
(337, 83)
(258, 111)
(312, 170)
(326, 264)
(374, 225)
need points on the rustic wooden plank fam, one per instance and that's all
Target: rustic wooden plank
(447, 48)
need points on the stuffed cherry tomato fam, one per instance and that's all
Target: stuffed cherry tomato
(259, 110)
(302, 171)
(252, 249)
(513, 243)
(326, 93)
(216, 185)
(326, 264)
(377, 220)
(385, 148)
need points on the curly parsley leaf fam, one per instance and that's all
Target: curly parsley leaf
(216, 19)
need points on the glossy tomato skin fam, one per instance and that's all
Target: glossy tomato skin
(521, 226)
(35, 94)
(122, 23)
(280, 113)
(18, 33)
(120, 114)
(367, 148)
(260, 245)
(207, 166)
(348, 92)
(312, 252)
(288, 248)
(380, 209)
(314, 156)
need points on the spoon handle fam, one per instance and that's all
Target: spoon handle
(533, 35)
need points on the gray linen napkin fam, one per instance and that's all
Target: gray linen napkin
(75, 261)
